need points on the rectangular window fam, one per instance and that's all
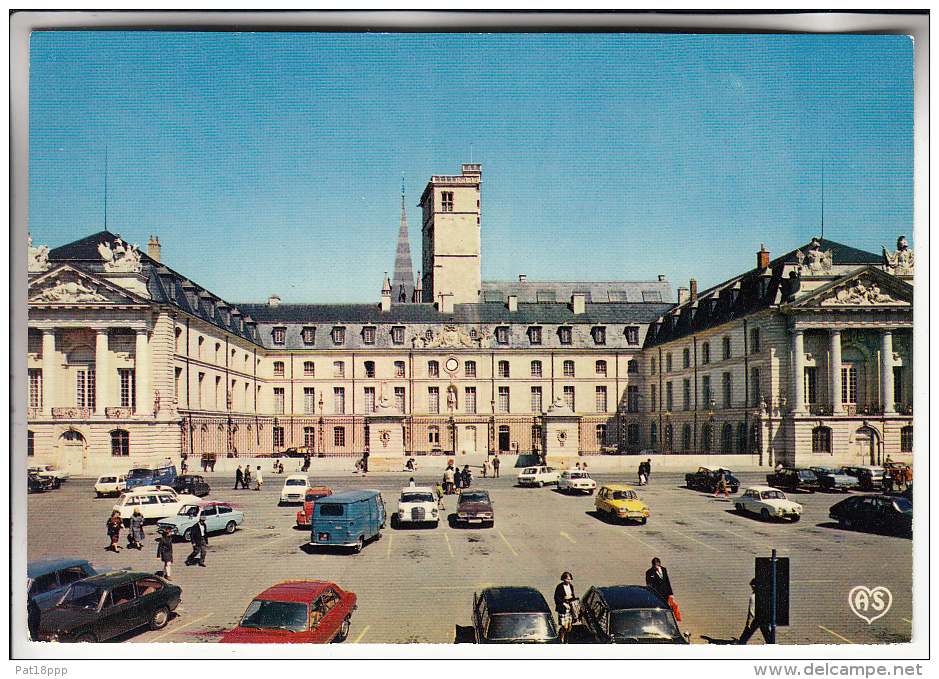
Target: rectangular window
(308, 369)
(278, 400)
(278, 368)
(308, 334)
(534, 335)
(399, 368)
(128, 387)
(339, 335)
(754, 340)
(668, 362)
(469, 400)
(309, 437)
(278, 438)
(601, 434)
(601, 398)
(706, 390)
(651, 366)
(433, 400)
(433, 436)
(399, 399)
(368, 335)
(632, 398)
(446, 201)
(632, 335)
(502, 335)
(569, 397)
(821, 440)
(906, 440)
(652, 397)
(898, 385)
(669, 401)
(279, 335)
(601, 368)
(755, 394)
(200, 391)
(726, 382)
(849, 384)
(536, 368)
(568, 368)
(433, 369)
(536, 404)
(503, 399)
(339, 400)
(811, 385)
(632, 367)
(370, 399)
(469, 369)
(686, 394)
(85, 387)
(397, 334)
(503, 368)
(339, 437)
(339, 369)
(35, 387)
(565, 335)
(309, 400)
(370, 369)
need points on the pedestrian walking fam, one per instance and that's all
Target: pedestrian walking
(648, 470)
(114, 525)
(457, 478)
(448, 480)
(566, 604)
(199, 542)
(258, 480)
(246, 479)
(495, 466)
(135, 535)
(721, 484)
(485, 468)
(165, 552)
(641, 472)
(754, 622)
(657, 580)
(467, 476)
(439, 492)
(365, 462)
(239, 477)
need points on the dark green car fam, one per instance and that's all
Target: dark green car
(106, 606)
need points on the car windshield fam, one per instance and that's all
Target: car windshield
(296, 482)
(287, 615)
(772, 495)
(315, 495)
(521, 626)
(107, 479)
(643, 623)
(530, 470)
(474, 497)
(417, 497)
(624, 495)
(139, 474)
(903, 505)
(188, 510)
(578, 475)
(807, 474)
(331, 509)
(81, 595)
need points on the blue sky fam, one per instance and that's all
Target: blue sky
(273, 162)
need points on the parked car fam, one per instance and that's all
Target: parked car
(50, 471)
(875, 513)
(294, 488)
(576, 481)
(193, 484)
(164, 475)
(474, 506)
(629, 614)
(38, 484)
(157, 502)
(312, 495)
(218, 516)
(299, 612)
(47, 579)
(294, 452)
(417, 504)
(513, 615)
(111, 484)
(769, 503)
(105, 606)
(348, 519)
(621, 502)
(868, 477)
(706, 479)
(793, 479)
(538, 476)
(833, 479)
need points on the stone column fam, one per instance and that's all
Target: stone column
(48, 371)
(834, 364)
(102, 372)
(144, 404)
(886, 372)
(798, 370)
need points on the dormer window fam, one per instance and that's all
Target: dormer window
(339, 335)
(368, 334)
(397, 334)
(599, 335)
(565, 335)
(632, 335)
(502, 334)
(534, 334)
(308, 334)
(279, 335)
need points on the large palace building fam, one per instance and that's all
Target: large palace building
(804, 358)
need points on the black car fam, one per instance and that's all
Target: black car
(193, 484)
(629, 614)
(706, 479)
(793, 480)
(38, 484)
(875, 513)
(290, 452)
(105, 606)
(513, 615)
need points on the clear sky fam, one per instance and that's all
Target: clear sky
(273, 162)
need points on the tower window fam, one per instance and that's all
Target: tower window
(446, 201)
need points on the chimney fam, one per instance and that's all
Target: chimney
(445, 305)
(522, 278)
(273, 300)
(153, 249)
(418, 291)
(661, 278)
(579, 302)
(513, 302)
(682, 294)
(386, 294)
(762, 258)
(693, 290)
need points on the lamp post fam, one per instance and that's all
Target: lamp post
(321, 448)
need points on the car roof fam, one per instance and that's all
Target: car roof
(115, 578)
(514, 600)
(52, 563)
(348, 496)
(474, 490)
(417, 489)
(618, 597)
(295, 590)
(298, 476)
(209, 503)
(760, 488)
(616, 486)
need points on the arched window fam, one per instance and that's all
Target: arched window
(433, 436)
(369, 368)
(278, 368)
(754, 437)
(727, 439)
(668, 437)
(741, 438)
(725, 347)
(653, 435)
(632, 435)
(821, 440)
(686, 438)
(706, 436)
(308, 369)
(120, 443)
(906, 439)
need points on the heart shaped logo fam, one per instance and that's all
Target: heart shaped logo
(869, 604)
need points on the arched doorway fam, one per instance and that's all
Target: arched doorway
(864, 444)
(73, 450)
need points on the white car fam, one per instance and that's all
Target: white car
(294, 488)
(769, 503)
(576, 481)
(417, 504)
(538, 476)
(110, 485)
(49, 471)
(154, 502)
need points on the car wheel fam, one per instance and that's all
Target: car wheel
(230, 527)
(359, 544)
(160, 618)
(343, 632)
(86, 639)
(643, 520)
(394, 521)
(739, 507)
(796, 518)
(765, 514)
(187, 536)
(97, 494)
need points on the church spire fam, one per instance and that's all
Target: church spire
(402, 286)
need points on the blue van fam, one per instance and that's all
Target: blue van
(164, 475)
(347, 519)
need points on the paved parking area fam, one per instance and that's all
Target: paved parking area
(415, 585)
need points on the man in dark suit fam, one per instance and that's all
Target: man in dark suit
(657, 580)
(199, 541)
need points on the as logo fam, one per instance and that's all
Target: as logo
(869, 604)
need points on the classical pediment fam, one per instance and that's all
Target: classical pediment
(868, 288)
(68, 285)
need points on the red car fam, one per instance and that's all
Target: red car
(312, 495)
(296, 612)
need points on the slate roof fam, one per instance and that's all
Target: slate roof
(561, 291)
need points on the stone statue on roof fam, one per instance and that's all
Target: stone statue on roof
(901, 261)
(120, 257)
(38, 257)
(814, 260)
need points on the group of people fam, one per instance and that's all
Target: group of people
(135, 533)
(135, 537)
(243, 478)
(491, 466)
(455, 478)
(645, 469)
